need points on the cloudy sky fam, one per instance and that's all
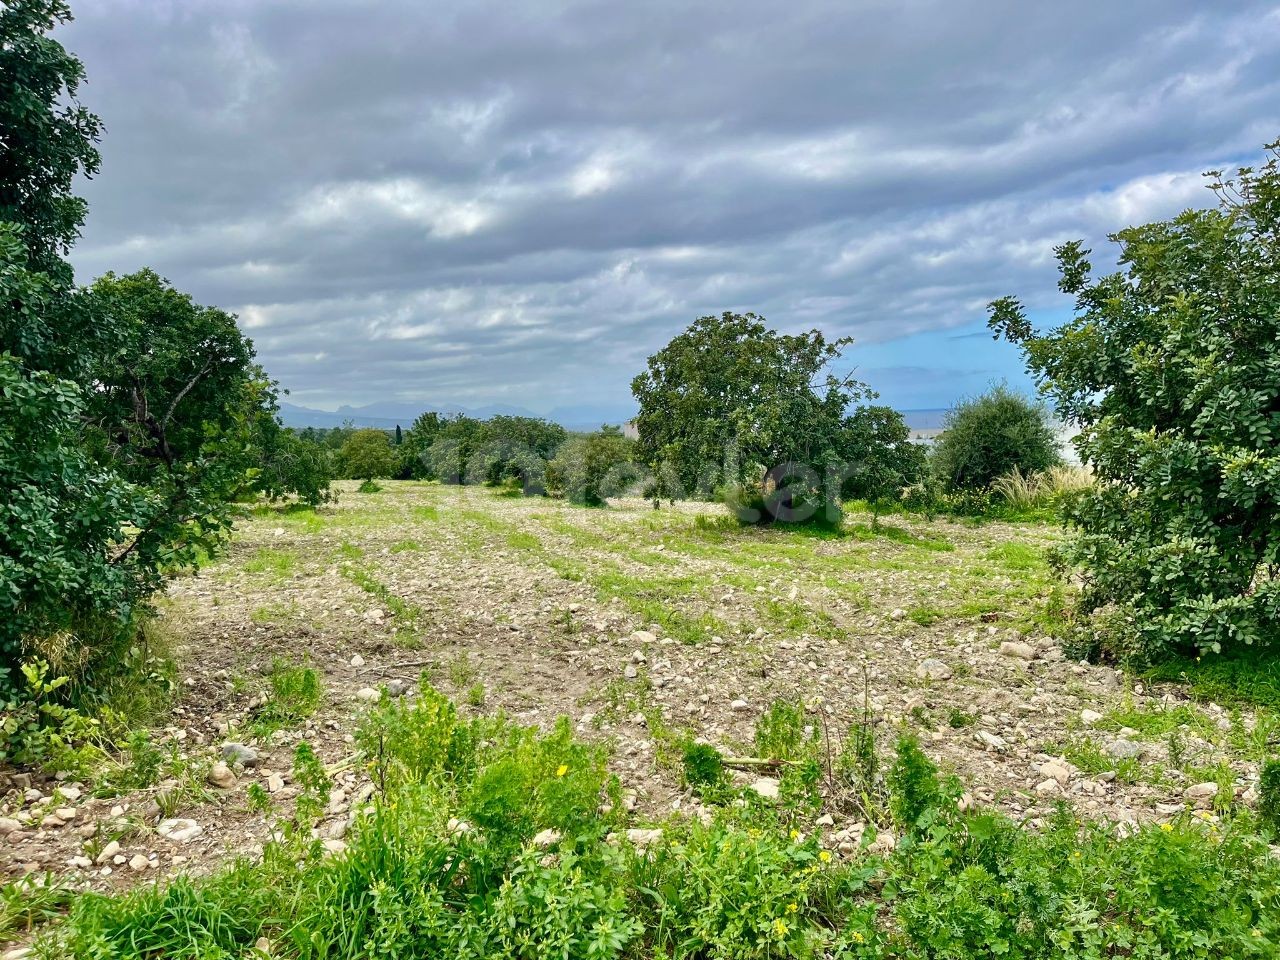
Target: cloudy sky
(476, 203)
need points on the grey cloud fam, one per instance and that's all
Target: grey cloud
(481, 202)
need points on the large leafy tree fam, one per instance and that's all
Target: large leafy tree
(127, 411)
(48, 137)
(729, 401)
(1171, 370)
(368, 455)
(591, 467)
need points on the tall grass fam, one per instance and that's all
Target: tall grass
(1044, 488)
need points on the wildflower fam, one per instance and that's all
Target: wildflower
(562, 770)
(1167, 827)
(857, 937)
(780, 928)
(795, 834)
(825, 856)
(792, 908)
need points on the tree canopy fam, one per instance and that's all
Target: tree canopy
(1171, 370)
(731, 403)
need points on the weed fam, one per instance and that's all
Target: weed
(277, 564)
(476, 695)
(295, 693)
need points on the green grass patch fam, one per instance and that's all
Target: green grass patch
(1250, 677)
(274, 563)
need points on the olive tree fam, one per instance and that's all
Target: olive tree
(730, 403)
(1171, 370)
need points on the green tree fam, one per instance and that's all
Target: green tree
(730, 401)
(414, 462)
(128, 412)
(368, 455)
(876, 443)
(48, 135)
(988, 436)
(292, 464)
(1171, 370)
(591, 467)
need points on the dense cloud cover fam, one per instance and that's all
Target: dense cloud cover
(515, 203)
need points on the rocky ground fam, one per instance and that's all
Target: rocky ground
(635, 623)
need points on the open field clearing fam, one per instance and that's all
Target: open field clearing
(646, 628)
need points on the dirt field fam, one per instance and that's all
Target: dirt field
(639, 625)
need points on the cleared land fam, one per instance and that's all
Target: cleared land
(640, 625)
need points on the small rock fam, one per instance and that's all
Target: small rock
(1018, 650)
(630, 672)
(766, 787)
(739, 706)
(897, 613)
(220, 776)
(933, 669)
(69, 792)
(275, 783)
(108, 852)
(989, 740)
(138, 862)
(368, 693)
(884, 843)
(1090, 717)
(1048, 788)
(335, 846)
(397, 688)
(546, 838)
(1056, 770)
(1125, 749)
(8, 825)
(234, 753)
(357, 661)
(643, 637)
(643, 838)
(179, 830)
(1201, 793)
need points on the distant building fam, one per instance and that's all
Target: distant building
(630, 431)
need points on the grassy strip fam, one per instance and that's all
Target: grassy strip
(489, 840)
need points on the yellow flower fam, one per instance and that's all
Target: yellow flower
(562, 770)
(857, 937)
(1167, 827)
(825, 856)
(792, 908)
(780, 928)
(795, 834)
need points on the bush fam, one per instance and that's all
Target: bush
(368, 455)
(1171, 370)
(986, 437)
(591, 467)
(1269, 795)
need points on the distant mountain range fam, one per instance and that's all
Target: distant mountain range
(388, 415)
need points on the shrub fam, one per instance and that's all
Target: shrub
(1047, 488)
(589, 468)
(1171, 369)
(1269, 795)
(368, 455)
(991, 435)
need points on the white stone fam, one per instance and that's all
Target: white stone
(179, 830)
(766, 787)
(933, 669)
(1017, 650)
(1090, 717)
